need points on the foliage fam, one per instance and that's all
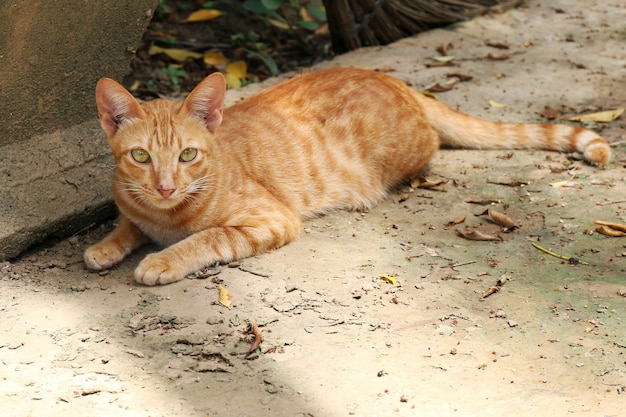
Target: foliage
(283, 12)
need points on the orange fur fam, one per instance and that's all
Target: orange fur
(333, 139)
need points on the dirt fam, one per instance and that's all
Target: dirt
(338, 338)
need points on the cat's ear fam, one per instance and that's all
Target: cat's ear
(115, 105)
(206, 101)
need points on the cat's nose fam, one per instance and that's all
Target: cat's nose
(166, 192)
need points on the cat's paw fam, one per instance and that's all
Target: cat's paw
(103, 256)
(157, 269)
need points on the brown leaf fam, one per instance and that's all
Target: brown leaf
(615, 226)
(258, 338)
(403, 197)
(477, 235)
(498, 45)
(456, 221)
(443, 48)
(498, 57)
(484, 202)
(499, 218)
(607, 231)
(461, 77)
(224, 296)
(438, 88)
(550, 113)
(509, 183)
(423, 182)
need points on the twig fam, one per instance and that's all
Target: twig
(608, 203)
(571, 260)
(462, 264)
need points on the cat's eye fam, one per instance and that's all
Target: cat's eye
(140, 155)
(188, 154)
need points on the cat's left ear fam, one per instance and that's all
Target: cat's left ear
(206, 101)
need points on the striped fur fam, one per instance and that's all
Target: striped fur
(334, 139)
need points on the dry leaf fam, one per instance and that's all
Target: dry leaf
(616, 226)
(215, 59)
(403, 197)
(176, 54)
(456, 221)
(607, 231)
(430, 95)
(443, 48)
(224, 296)
(498, 45)
(484, 202)
(203, 15)
(601, 117)
(498, 57)
(499, 218)
(438, 88)
(550, 113)
(496, 104)
(511, 183)
(461, 77)
(423, 182)
(566, 184)
(258, 338)
(477, 235)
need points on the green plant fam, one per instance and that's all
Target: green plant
(174, 72)
(286, 12)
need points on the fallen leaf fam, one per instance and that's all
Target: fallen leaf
(461, 77)
(509, 183)
(258, 338)
(403, 197)
(484, 202)
(215, 59)
(616, 226)
(235, 72)
(496, 104)
(443, 59)
(490, 291)
(443, 48)
(498, 45)
(477, 235)
(550, 113)
(498, 57)
(224, 296)
(566, 184)
(438, 88)
(499, 218)
(456, 221)
(423, 182)
(601, 117)
(176, 54)
(203, 15)
(389, 279)
(430, 95)
(607, 231)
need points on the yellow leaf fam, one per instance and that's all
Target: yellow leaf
(215, 58)
(203, 15)
(278, 24)
(431, 95)
(388, 278)
(179, 55)
(224, 296)
(602, 117)
(232, 81)
(238, 69)
(496, 104)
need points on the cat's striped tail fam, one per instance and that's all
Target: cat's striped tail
(460, 130)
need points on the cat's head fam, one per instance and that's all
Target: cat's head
(164, 149)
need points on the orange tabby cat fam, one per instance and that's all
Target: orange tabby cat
(217, 190)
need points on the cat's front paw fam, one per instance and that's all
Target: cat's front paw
(103, 256)
(157, 269)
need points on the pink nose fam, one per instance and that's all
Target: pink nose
(166, 193)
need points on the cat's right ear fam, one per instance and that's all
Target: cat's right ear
(115, 105)
(206, 101)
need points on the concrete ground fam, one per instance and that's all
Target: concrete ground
(339, 340)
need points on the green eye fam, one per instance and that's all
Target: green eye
(140, 155)
(188, 154)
